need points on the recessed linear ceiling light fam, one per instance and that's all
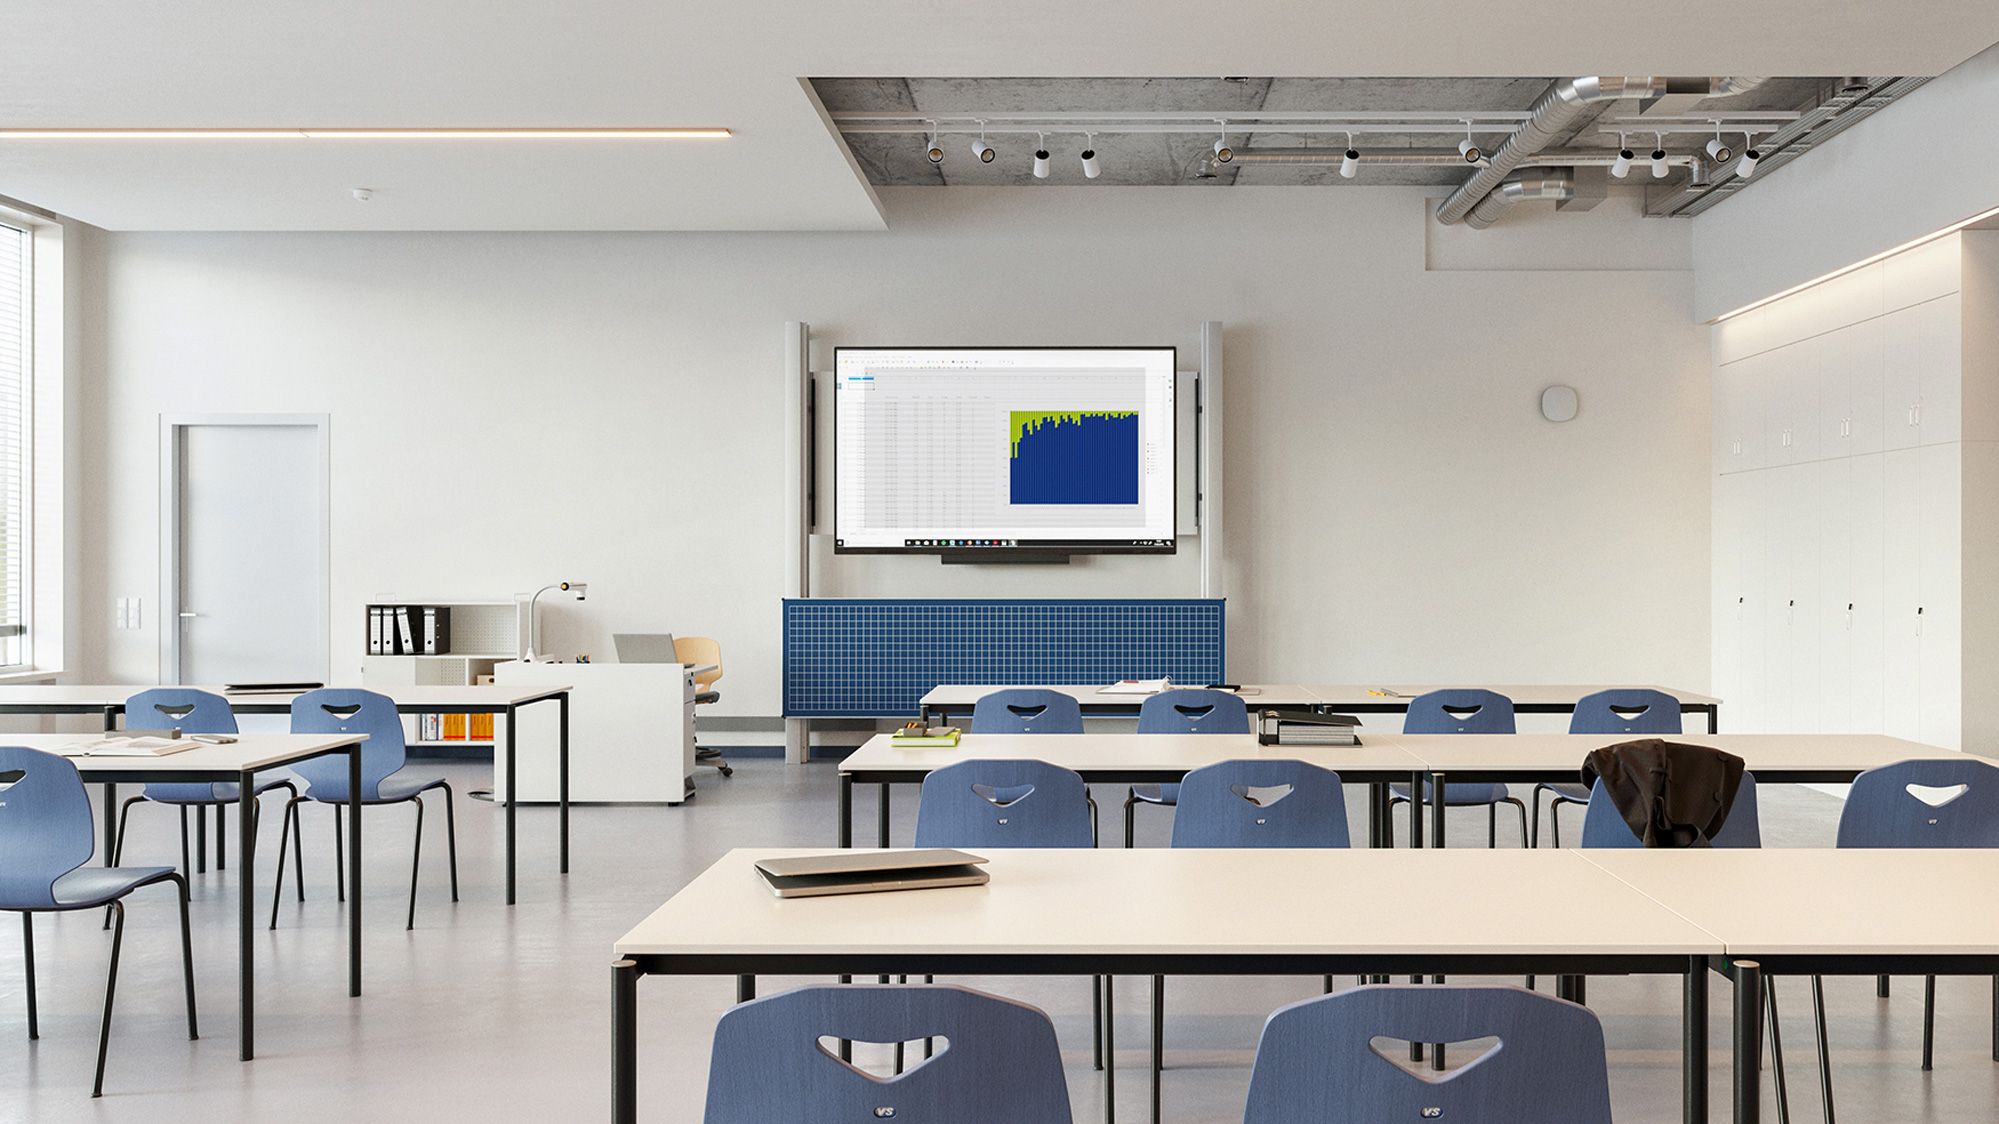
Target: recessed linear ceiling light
(364, 134)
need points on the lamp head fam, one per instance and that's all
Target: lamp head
(580, 589)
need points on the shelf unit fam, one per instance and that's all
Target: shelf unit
(484, 633)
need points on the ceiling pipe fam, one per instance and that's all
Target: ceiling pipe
(1557, 184)
(1557, 111)
(1423, 157)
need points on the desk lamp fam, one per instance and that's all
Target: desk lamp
(577, 588)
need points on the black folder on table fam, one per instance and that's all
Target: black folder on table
(871, 872)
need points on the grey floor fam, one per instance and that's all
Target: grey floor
(490, 1013)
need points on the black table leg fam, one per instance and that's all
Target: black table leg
(1416, 809)
(625, 1042)
(846, 810)
(353, 864)
(1748, 1041)
(1693, 1044)
(1110, 1055)
(200, 842)
(246, 892)
(881, 832)
(562, 768)
(512, 772)
(1436, 810)
(1714, 720)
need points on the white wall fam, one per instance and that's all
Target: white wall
(513, 409)
(1919, 165)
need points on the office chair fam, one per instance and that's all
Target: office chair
(46, 835)
(695, 651)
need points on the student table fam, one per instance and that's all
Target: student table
(942, 703)
(238, 763)
(109, 702)
(1163, 911)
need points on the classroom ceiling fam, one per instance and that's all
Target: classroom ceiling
(391, 63)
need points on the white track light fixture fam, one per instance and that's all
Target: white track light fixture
(981, 149)
(1468, 148)
(1091, 169)
(1350, 163)
(1718, 151)
(1041, 157)
(935, 153)
(1621, 167)
(1223, 153)
(1747, 166)
(1659, 166)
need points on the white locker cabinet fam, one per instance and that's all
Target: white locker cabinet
(1901, 569)
(1731, 505)
(1849, 412)
(1834, 517)
(1790, 597)
(1940, 375)
(1939, 593)
(1869, 533)
(1738, 415)
(1791, 402)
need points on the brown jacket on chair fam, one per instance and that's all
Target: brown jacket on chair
(1670, 793)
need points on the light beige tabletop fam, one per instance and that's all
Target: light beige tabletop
(1762, 753)
(1168, 900)
(1854, 901)
(249, 751)
(1547, 694)
(1086, 753)
(960, 695)
(28, 696)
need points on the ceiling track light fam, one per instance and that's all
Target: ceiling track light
(980, 149)
(1717, 150)
(1659, 165)
(1747, 166)
(1223, 153)
(1091, 169)
(1041, 156)
(1350, 161)
(1468, 148)
(1621, 167)
(934, 153)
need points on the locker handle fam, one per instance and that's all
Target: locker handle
(1919, 620)
(1916, 414)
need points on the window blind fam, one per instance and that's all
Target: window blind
(15, 288)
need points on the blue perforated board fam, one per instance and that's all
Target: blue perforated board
(877, 658)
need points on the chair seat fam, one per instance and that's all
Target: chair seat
(1572, 792)
(1156, 793)
(394, 789)
(225, 792)
(1456, 795)
(704, 697)
(95, 885)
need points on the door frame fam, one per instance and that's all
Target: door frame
(172, 433)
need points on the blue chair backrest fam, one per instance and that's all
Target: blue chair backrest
(1193, 711)
(1881, 811)
(1261, 804)
(341, 710)
(1027, 710)
(195, 712)
(1004, 803)
(1604, 826)
(1316, 1062)
(997, 1059)
(45, 826)
(1488, 712)
(1653, 712)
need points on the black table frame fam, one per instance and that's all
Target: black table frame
(1121, 708)
(282, 704)
(746, 966)
(134, 771)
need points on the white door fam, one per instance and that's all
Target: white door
(246, 587)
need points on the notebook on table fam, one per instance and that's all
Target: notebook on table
(871, 872)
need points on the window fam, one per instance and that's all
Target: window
(16, 354)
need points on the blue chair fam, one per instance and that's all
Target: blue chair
(47, 836)
(194, 712)
(1466, 711)
(335, 710)
(1188, 711)
(1001, 1061)
(1316, 1063)
(1635, 712)
(1027, 710)
(1604, 826)
(1882, 811)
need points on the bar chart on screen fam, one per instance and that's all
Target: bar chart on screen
(1073, 457)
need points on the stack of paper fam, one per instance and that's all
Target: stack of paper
(129, 747)
(1137, 687)
(933, 736)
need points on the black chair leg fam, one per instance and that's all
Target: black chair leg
(1825, 1046)
(1158, 1040)
(1881, 987)
(1534, 838)
(1492, 826)
(1130, 821)
(1097, 1023)
(28, 961)
(1929, 1020)
(1555, 822)
(1526, 837)
(221, 852)
(186, 867)
(118, 842)
(110, 991)
(1995, 1018)
(416, 862)
(339, 858)
(451, 839)
(187, 959)
(284, 838)
(1777, 1053)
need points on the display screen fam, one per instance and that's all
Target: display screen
(968, 449)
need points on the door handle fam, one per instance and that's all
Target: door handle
(187, 616)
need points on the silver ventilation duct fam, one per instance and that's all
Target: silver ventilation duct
(1423, 157)
(1557, 111)
(1558, 184)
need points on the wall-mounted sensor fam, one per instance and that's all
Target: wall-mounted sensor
(361, 194)
(1558, 403)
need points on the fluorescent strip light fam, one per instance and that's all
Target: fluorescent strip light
(1863, 263)
(363, 134)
